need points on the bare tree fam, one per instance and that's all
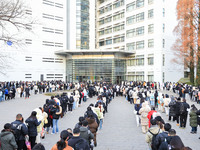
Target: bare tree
(14, 19)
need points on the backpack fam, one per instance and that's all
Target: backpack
(71, 99)
(17, 132)
(80, 145)
(153, 142)
(182, 108)
(130, 93)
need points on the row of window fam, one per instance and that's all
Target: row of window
(129, 33)
(129, 7)
(139, 60)
(51, 30)
(52, 17)
(51, 3)
(110, 41)
(51, 60)
(52, 44)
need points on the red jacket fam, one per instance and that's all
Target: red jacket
(149, 116)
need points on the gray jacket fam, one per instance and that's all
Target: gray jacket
(86, 134)
(8, 142)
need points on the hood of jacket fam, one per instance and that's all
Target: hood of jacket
(155, 129)
(5, 133)
(83, 129)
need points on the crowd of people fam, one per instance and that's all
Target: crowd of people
(26, 134)
(149, 103)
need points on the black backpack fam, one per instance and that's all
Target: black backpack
(71, 99)
(182, 108)
(153, 142)
(17, 131)
(80, 145)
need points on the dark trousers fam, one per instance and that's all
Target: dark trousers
(21, 145)
(32, 141)
(177, 118)
(131, 100)
(174, 118)
(70, 107)
(183, 120)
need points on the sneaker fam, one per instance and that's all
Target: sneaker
(52, 133)
(177, 124)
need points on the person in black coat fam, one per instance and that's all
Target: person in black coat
(32, 127)
(172, 109)
(178, 102)
(20, 128)
(183, 115)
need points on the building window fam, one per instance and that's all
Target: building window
(140, 44)
(140, 17)
(108, 8)
(151, 76)
(118, 16)
(101, 11)
(139, 3)
(101, 22)
(118, 4)
(163, 43)
(130, 20)
(101, 1)
(150, 43)
(118, 28)
(150, 2)
(130, 46)
(150, 13)
(163, 59)
(163, 12)
(150, 59)
(130, 7)
(140, 60)
(108, 30)
(140, 31)
(118, 39)
(108, 42)
(151, 28)
(163, 27)
(130, 33)
(101, 43)
(107, 20)
(101, 32)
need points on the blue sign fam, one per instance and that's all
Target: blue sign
(9, 43)
(76, 77)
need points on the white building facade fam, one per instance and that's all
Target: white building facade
(144, 27)
(33, 58)
(132, 39)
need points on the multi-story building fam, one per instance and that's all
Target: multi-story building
(94, 40)
(34, 57)
(144, 27)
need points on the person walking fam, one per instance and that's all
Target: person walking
(32, 128)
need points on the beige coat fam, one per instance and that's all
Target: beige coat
(144, 112)
(149, 136)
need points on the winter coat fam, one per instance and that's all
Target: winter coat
(193, 119)
(86, 134)
(32, 126)
(66, 148)
(177, 111)
(172, 109)
(23, 128)
(161, 138)
(93, 126)
(8, 142)
(74, 140)
(56, 112)
(144, 112)
(155, 130)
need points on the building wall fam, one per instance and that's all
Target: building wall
(163, 20)
(34, 55)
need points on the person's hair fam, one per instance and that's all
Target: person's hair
(89, 108)
(52, 97)
(176, 143)
(85, 123)
(167, 126)
(153, 108)
(76, 130)
(38, 146)
(153, 121)
(92, 105)
(19, 116)
(33, 114)
(7, 126)
(172, 132)
(184, 100)
(69, 130)
(63, 137)
(81, 119)
(167, 96)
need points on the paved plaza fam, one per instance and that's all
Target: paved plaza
(119, 129)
